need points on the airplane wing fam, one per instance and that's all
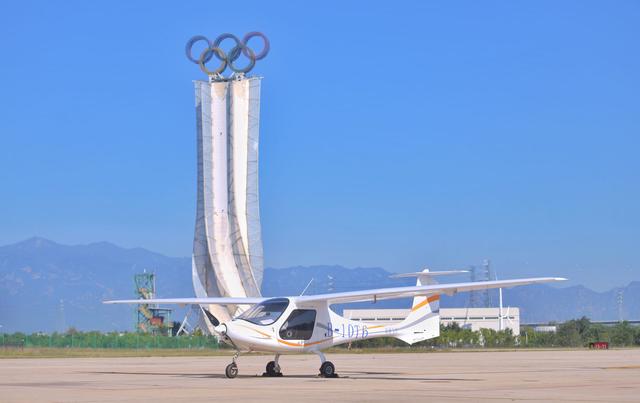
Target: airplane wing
(190, 301)
(404, 292)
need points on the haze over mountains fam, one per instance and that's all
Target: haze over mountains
(46, 286)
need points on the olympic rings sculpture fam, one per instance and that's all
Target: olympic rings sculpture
(213, 49)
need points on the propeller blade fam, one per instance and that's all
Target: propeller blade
(214, 321)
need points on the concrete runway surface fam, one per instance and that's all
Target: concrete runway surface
(604, 376)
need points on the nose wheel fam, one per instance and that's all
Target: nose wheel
(232, 369)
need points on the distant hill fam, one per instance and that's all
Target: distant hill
(48, 286)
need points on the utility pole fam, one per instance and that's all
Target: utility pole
(501, 316)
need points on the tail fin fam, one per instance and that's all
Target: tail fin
(423, 321)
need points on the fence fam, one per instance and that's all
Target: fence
(107, 340)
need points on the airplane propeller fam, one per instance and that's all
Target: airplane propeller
(214, 321)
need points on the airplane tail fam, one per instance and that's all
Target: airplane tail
(423, 321)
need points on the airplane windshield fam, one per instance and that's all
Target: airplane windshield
(265, 313)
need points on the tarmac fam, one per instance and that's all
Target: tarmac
(551, 375)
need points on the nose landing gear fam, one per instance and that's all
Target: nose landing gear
(232, 369)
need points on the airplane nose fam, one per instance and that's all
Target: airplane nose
(221, 329)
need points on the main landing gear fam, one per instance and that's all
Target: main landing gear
(273, 368)
(232, 369)
(327, 369)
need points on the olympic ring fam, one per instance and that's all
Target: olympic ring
(192, 42)
(213, 49)
(218, 41)
(206, 55)
(234, 54)
(265, 41)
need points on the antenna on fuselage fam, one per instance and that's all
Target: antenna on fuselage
(305, 288)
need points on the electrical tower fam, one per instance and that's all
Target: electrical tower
(474, 296)
(480, 298)
(486, 273)
(61, 319)
(620, 302)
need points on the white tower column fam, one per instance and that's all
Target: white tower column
(227, 252)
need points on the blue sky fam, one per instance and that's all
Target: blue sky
(394, 134)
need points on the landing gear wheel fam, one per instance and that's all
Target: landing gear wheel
(328, 370)
(273, 369)
(231, 371)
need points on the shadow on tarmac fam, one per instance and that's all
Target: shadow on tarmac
(357, 375)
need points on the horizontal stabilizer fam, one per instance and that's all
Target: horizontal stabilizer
(429, 273)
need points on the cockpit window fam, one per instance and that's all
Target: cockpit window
(299, 325)
(265, 313)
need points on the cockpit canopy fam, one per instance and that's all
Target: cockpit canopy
(266, 312)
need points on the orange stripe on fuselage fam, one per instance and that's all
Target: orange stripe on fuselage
(288, 343)
(425, 302)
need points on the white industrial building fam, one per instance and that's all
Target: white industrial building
(471, 318)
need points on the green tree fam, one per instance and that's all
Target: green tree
(623, 334)
(568, 333)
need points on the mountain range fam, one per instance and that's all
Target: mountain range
(46, 286)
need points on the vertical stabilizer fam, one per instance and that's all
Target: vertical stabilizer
(423, 321)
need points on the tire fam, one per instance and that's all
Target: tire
(231, 371)
(327, 369)
(272, 368)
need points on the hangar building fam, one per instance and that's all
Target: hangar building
(472, 318)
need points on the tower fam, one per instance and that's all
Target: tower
(150, 318)
(227, 258)
(480, 298)
(620, 303)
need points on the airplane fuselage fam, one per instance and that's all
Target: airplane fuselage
(297, 329)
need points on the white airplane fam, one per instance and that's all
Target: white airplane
(306, 324)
